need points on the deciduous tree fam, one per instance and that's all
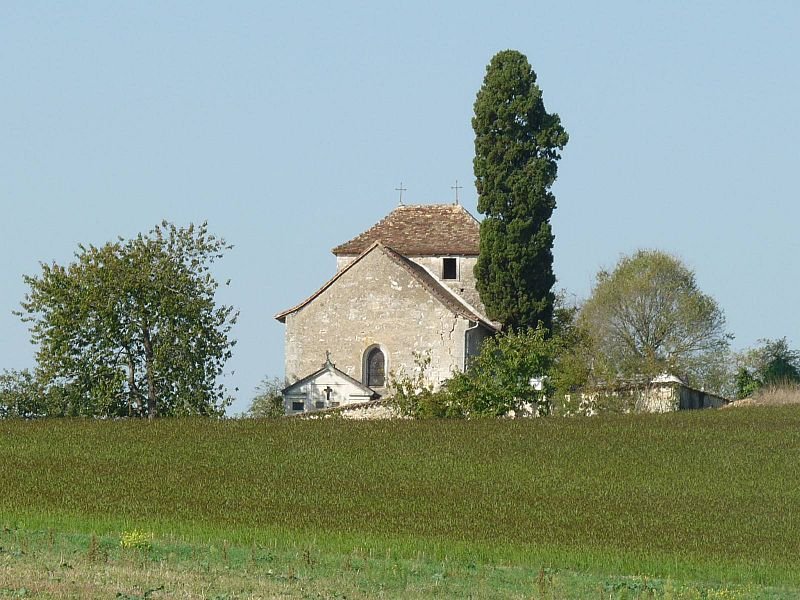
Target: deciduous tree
(517, 144)
(268, 402)
(131, 328)
(648, 316)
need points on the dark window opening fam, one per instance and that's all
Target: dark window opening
(297, 406)
(449, 268)
(376, 368)
(319, 404)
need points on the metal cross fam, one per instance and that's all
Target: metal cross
(456, 187)
(401, 189)
(328, 391)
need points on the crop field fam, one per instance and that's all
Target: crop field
(703, 499)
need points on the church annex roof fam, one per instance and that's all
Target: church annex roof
(439, 291)
(421, 230)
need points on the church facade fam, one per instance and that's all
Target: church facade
(402, 289)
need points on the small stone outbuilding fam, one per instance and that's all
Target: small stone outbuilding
(326, 388)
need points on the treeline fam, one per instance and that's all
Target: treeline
(644, 319)
(132, 329)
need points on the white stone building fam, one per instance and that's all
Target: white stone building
(403, 288)
(325, 388)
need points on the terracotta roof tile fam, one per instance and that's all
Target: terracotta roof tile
(421, 230)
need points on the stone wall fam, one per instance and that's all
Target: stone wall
(668, 397)
(378, 409)
(375, 302)
(464, 285)
(658, 397)
(343, 261)
(372, 410)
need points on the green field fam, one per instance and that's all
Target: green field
(704, 503)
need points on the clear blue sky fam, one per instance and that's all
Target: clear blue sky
(287, 126)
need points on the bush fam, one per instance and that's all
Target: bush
(21, 395)
(500, 380)
(268, 402)
(413, 396)
(773, 364)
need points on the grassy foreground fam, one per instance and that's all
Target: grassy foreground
(45, 564)
(694, 503)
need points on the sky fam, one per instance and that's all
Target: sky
(287, 127)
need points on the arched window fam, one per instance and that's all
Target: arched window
(375, 368)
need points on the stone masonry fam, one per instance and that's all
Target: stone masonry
(375, 303)
(404, 289)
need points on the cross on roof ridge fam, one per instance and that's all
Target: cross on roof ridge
(401, 189)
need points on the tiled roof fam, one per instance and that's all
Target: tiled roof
(438, 290)
(421, 230)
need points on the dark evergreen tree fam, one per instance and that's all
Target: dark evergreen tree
(782, 364)
(517, 144)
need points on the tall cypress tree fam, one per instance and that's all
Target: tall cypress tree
(517, 144)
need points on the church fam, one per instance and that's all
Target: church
(403, 288)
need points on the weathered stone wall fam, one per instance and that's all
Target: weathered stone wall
(371, 411)
(343, 261)
(362, 411)
(666, 397)
(464, 286)
(654, 398)
(657, 398)
(691, 399)
(376, 302)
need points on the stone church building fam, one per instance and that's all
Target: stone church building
(402, 288)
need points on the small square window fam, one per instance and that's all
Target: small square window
(449, 268)
(298, 405)
(333, 404)
(319, 404)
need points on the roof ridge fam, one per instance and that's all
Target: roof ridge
(421, 230)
